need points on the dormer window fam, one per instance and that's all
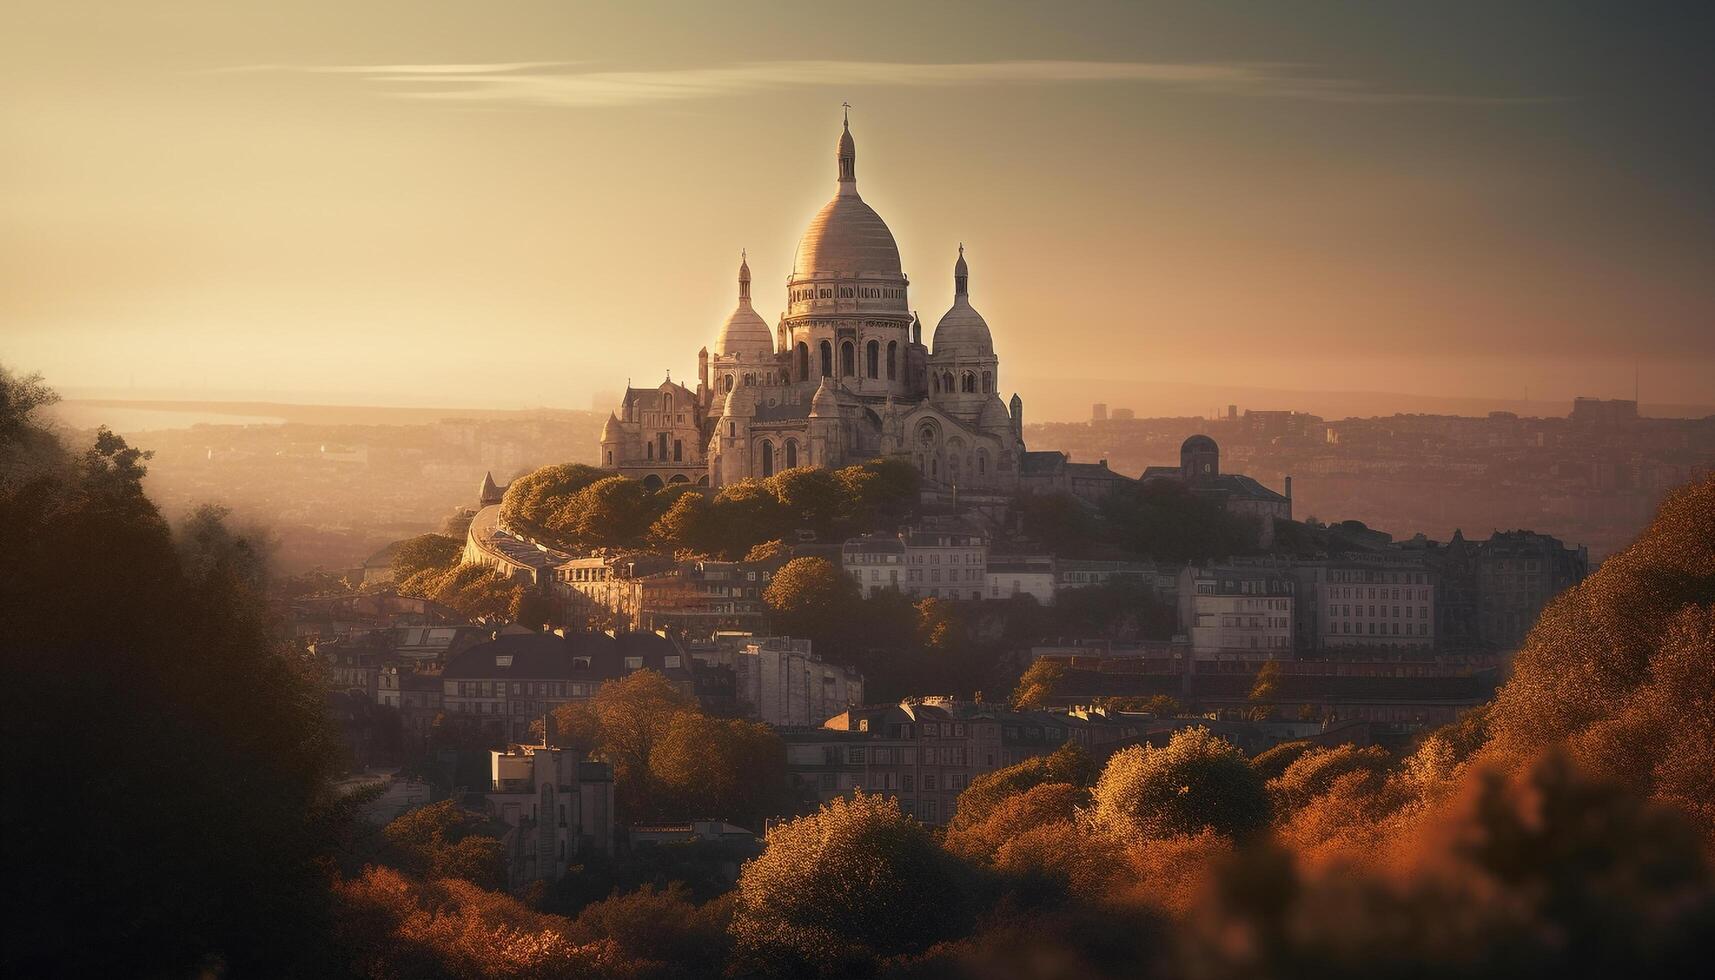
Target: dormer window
(503, 660)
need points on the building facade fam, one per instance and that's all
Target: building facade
(1371, 601)
(1237, 613)
(947, 561)
(842, 377)
(779, 680)
(554, 806)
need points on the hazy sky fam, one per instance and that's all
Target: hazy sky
(515, 203)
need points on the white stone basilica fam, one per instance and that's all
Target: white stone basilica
(842, 378)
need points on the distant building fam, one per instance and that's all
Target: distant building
(1054, 472)
(646, 834)
(778, 680)
(1072, 573)
(1020, 575)
(1099, 412)
(946, 560)
(1600, 411)
(554, 806)
(1237, 613)
(926, 753)
(1200, 470)
(1368, 601)
(500, 687)
(1518, 573)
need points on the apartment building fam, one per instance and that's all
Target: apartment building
(1237, 613)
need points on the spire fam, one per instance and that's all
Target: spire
(743, 276)
(848, 155)
(961, 274)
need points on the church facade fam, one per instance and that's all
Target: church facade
(842, 377)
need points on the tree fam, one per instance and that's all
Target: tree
(532, 500)
(1037, 687)
(720, 767)
(424, 553)
(1622, 666)
(223, 861)
(1069, 764)
(610, 512)
(767, 550)
(688, 525)
(811, 498)
(635, 712)
(1060, 521)
(1264, 691)
(880, 494)
(577, 727)
(838, 889)
(1197, 781)
(209, 549)
(1315, 771)
(809, 597)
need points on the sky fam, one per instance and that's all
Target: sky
(512, 204)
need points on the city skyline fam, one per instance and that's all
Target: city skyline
(483, 212)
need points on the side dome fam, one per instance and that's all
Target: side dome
(994, 415)
(744, 332)
(1198, 444)
(610, 428)
(962, 331)
(740, 403)
(825, 404)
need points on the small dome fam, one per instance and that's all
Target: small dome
(744, 332)
(994, 415)
(962, 332)
(740, 403)
(610, 428)
(1198, 443)
(825, 404)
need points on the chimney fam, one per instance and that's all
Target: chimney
(1289, 488)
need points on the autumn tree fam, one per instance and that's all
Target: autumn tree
(634, 713)
(721, 767)
(1036, 689)
(425, 553)
(1264, 691)
(1620, 667)
(1196, 782)
(836, 890)
(1070, 764)
(810, 597)
(577, 727)
(532, 500)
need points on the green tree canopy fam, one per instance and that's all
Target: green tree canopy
(425, 553)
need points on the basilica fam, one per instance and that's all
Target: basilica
(844, 376)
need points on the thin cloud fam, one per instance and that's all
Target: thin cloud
(556, 84)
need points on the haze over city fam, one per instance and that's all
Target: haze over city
(409, 203)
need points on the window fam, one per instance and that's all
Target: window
(892, 359)
(848, 358)
(678, 451)
(827, 359)
(872, 357)
(633, 663)
(791, 453)
(803, 361)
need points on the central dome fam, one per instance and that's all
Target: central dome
(847, 237)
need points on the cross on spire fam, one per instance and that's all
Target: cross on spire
(847, 106)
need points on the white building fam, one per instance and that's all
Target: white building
(1373, 601)
(1016, 575)
(1237, 613)
(554, 806)
(780, 681)
(947, 561)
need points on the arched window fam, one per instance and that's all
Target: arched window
(947, 382)
(610, 457)
(791, 453)
(935, 381)
(749, 380)
(651, 453)
(679, 478)
(767, 458)
(652, 482)
(872, 354)
(803, 361)
(848, 360)
(827, 359)
(988, 382)
(892, 359)
(729, 382)
(667, 404)
(968, 383)
(982, 461)
(732, 430)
